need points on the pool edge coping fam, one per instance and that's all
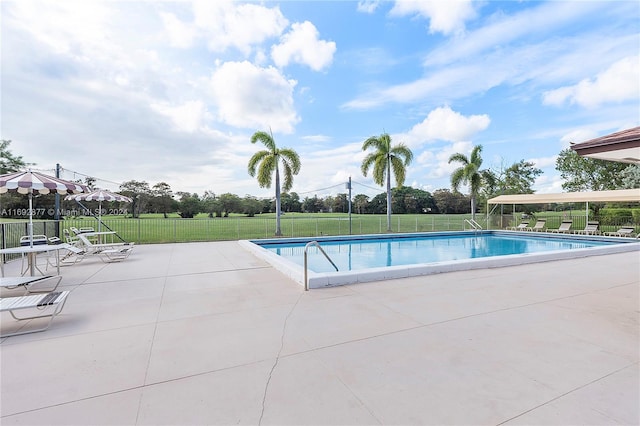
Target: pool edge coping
(330, 279)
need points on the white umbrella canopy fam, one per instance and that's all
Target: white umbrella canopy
(99, 195)
(28, 182)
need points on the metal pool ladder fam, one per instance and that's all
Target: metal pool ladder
(475, 225)
(309, 244)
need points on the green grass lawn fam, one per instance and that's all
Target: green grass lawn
(154, 228)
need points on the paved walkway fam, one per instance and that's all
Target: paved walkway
(205, 333)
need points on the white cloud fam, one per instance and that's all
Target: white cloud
(544, 161)
(618, 83)
(445, 124)
(446, 17)
(510, 49)
(301, 45)
(504, 29)
(188, 117)
(435, 161)
(316, 138)
(577, 136)
(180, 34)
(226, 24)
(368, 6)
(71, 27)
(252, 97)
(548, 184)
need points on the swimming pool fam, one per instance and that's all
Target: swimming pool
(376, 257)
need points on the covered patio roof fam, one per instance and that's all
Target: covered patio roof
(620, 195)
(622, 147)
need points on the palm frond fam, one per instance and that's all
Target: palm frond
(459, 158)
(399, 170)
(290, 157)
(380, 169)
(265, 171)
(367, 162)
(457, 178)
(402, 151)
(266, 139)
(288, 177)
(254, 160)
(475, 157)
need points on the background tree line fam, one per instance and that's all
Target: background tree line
(578, 174)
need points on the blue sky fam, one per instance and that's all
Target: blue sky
(172, 91)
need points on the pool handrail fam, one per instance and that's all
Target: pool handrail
(475, 225)
(306, 247)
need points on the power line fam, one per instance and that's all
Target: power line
(366, 186)
(89, 176)
(321, 189)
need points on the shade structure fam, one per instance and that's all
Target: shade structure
(99, 195)
(620, 195)
(622, 147)
(28, 182)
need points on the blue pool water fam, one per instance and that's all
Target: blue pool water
(374, 252)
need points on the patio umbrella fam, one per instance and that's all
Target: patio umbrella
(99, 195)
(28, 182)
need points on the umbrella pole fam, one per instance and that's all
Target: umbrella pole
(30, 218)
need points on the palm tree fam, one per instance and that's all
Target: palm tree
(385, 159)
(269, 161)
(468, 174)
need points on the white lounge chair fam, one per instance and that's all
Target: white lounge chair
(564, 228)
(625, 231)
(592, 228)
(41, 305)
(72, 255)
(69, 238)
(111, 252)
(522, 227)
(539, 226)
(29, 284)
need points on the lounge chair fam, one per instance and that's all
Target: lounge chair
(539, 226)
(111, 252)
(42, 305)
(72, 255)
(590, 229)
(522, 227)
(625, 231)
(68, 238)
(564, 228)
(29, 284)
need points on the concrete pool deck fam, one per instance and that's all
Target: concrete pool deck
(206, 333)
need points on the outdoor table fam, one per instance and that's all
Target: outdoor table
(31, 253)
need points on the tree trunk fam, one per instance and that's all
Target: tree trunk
(278, 231)
(388, 195)
(473, 207)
